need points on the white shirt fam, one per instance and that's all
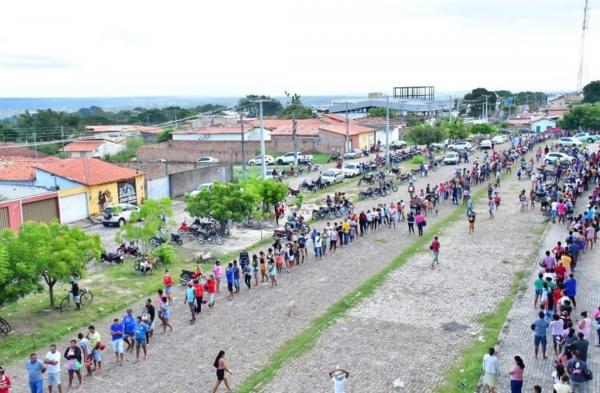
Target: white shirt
(490, 364)
(339, 383)
(53, 368)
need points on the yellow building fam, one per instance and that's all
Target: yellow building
(87, 185)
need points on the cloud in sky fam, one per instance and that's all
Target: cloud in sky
(234, 47)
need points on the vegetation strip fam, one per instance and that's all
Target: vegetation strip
(307, 339)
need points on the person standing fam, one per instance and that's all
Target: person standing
(199, 293)
(211, 288)
(94, 337)
(435, 249)
(221, 369)
(35, 369)
(168, 283)
(129, 327)
(540, 328)
(516, 375)
(140, 331)
(339, 377)
(86, 352)
(230, 279)
(165, 314)
(410, 220)
(562, 386)
(117, 331)
(5, 384)
(248, 275)
(579, 374)
(74, 359)
(190, 299)
(570, 285)
(491, 369)
(318, 246)
(236, 276)
(217, 273)
(471, 220)
(74, 293)
(151, 311)
(420, 221)
(52, 362)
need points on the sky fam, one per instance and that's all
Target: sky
(311, 47)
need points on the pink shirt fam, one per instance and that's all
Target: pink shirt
(217, 271)
(419, 218)
(516, 373)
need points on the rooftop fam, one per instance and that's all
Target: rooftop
(19, 168)
(83, 146)
(88, 171)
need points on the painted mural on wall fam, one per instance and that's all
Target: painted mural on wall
(127, 192)
(104, 199)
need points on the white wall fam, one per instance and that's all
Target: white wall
(252, 135)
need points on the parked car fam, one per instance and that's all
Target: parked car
(201, 187)
(587, 137)
(569, 142)
(118, 214)
(207, 159)
(460, 145)
(485, 144)
(399, 144)
(499, 139)
(354, 153)
(551, 157)
(351, 169)
(288, 158)
(269, 160)
(451, 158)
(332, 176)
(437, 146)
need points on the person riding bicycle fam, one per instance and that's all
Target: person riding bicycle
(292, 220)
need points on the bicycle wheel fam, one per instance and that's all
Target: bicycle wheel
(65, 304)
(4, 326)
(87, 297)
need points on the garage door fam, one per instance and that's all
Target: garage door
(40, 211)
(4, 221)
(73, 208)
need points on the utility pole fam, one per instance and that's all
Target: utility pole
(485, 117)
(294, 139)
(347, 149)
(62, 137)
(35, 145)
(387, 130)
(244, 172)
(262, 135)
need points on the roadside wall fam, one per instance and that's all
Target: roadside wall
(187, 181)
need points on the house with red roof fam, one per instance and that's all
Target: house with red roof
(88, 148)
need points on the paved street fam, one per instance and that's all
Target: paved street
(254, 325)
(414, 326)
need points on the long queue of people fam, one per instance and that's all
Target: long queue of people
(556, 292)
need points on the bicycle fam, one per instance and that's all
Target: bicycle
(85, 297)
(4, 326)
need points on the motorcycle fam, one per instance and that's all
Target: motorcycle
(366, 179)
(299, 227)
(285, 234)
(112, 257)
(293, 192)
(128, 249)
(328, 212)
(334, 155)
(390, 186)
(210, 236)
(175, 238)
(308, 187)
(368, 193)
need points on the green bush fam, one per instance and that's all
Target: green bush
(418, 160)
(164, 255)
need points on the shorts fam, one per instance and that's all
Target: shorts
(490, 379)
(117, 346)
(537, 340)
(128, 335)
(220, 374)
(140, 343)
(192, 305)
(538, 292)
(211, 298)
(53, 379)
(97, 355)
(169, 290)
(236, 282)
(436, 255)
(230, 286)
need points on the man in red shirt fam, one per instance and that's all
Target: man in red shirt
(199, 293)
(560, 272)
(168, 282)
(435, 249)
(4, 381)
(211, 288)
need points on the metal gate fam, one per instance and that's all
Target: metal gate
(41, 211)
(158, 188)
(73, 208)
(4, 220)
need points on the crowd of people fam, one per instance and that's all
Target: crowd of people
(556, 287)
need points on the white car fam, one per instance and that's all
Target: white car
(460, 145)
(288, 158)
(569, 142)
(587, 137)
(208, 159)
(118, 214)
(451, 158)
(269, 160)
(352, 154)
(499, 139)
(399, 144)
(200, 188)
(351, 169)
(485, 144)
(332, 176)
(551, 157)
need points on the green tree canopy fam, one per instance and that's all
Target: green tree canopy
(147, 222)
(376, 112)
(17, 277)
(475, 99)
(424, 134)
(270, 108)
(591, 92)
(484, 128)
(267, 191)
(453, 128)
(297, 109)
(224, 201)
(584, 116)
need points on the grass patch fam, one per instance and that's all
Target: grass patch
(468, 370)
(381, 241)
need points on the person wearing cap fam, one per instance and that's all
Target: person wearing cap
(339, 377)
(4, 381)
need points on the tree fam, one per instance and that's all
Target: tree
(591, 92)
(453, 128)
(267, 191)
(165, 135)
(164, 254)
(584, 116)
(51, 252)
(376, 112)
(223, 202)
(146, 223)
(297, 109)
(484, 128)
(424, 134)
(475, 101)
(270, 108)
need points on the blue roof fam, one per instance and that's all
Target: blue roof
(399, 105)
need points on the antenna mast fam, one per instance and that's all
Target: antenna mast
(586, 12)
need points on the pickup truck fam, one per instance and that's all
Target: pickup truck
(288, 158)
(586, 137)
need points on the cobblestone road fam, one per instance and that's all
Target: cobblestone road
(254, 325)
(415, 324)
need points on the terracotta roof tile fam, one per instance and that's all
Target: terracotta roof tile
(88, 171)
(84, 146)
(19, 168)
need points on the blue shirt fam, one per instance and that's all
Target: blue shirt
(571, 287)
(190, 295)
(229, 275)
(117, 330)
(129, 323)
(34, 370)
(140, 331)
(541, 325)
